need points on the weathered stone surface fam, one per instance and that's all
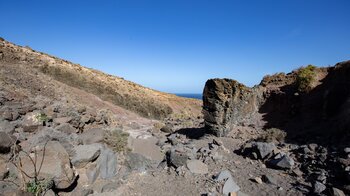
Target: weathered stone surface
(337, 192)
(138, 162)
(269, 179)
(31, 122)
(65, 128)
(197, 167)
(278, 102)
(56, 165)
(62, 120)
(319, 187)
(107, 163)
(85, 154)
(227, 102)
(176, 159)
(6, 141)
(93, 135)
(147, 147)
(264, 149)
(7, 127)
(229, 185)
(285, 162)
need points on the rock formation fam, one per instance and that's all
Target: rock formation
(278, 102)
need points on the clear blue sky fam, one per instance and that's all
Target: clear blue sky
(176, 45)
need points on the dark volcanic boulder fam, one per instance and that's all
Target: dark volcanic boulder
(227, 102)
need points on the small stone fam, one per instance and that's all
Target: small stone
(264, 149)
(7, 115)
(85, 154)
(65, 128)
(230, 185)
(62, 120)
(93, 135)
(347, 150)
(166, 129)
(280, 188)
(297, 172)
(7, 127)
(6, 142)
(81, 109)
(285, 162)
(258, 180)
(176, 159)
(319, 187)
(313, 147)
(269, 179)
(197, 167)
(217, 142)
(337, 192)
(254, 155)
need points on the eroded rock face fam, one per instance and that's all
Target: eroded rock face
(55, 165)
(277, 102)
(227, 102)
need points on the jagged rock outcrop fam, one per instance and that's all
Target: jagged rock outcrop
(227, 102)
(278, 102)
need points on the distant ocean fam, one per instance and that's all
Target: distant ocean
(189, 95)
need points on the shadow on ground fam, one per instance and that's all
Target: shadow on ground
(192, 133)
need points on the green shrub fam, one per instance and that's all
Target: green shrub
(38, 187)
(305, 77)
(117, 139)
(2, 39)
(42, 117)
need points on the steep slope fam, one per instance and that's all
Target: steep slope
(32, 71)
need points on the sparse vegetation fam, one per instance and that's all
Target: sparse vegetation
(38, 187)
(30, 183)
(42, 117)
(274, 135)
(117, 139)
(146, 107)
(305, 77)
(2, 39)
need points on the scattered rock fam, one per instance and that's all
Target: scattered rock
(7, 127)
(229, 184)
(264, 149)
(197, 167)
(347, 150)
(257, 180)
(284, 163)
(85, 154)
(176, 159)
(138, 162)
(7, 115)
(65, 128)
(93, 135)
(109, 187)
(269, 179)
(297, 172)
(337, 192)
(166, 129)
(62, 120)
(107, 163)
(319, 187)
(6, 142)
(56, 165)
(31, 122)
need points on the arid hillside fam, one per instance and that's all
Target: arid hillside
(43, 74)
